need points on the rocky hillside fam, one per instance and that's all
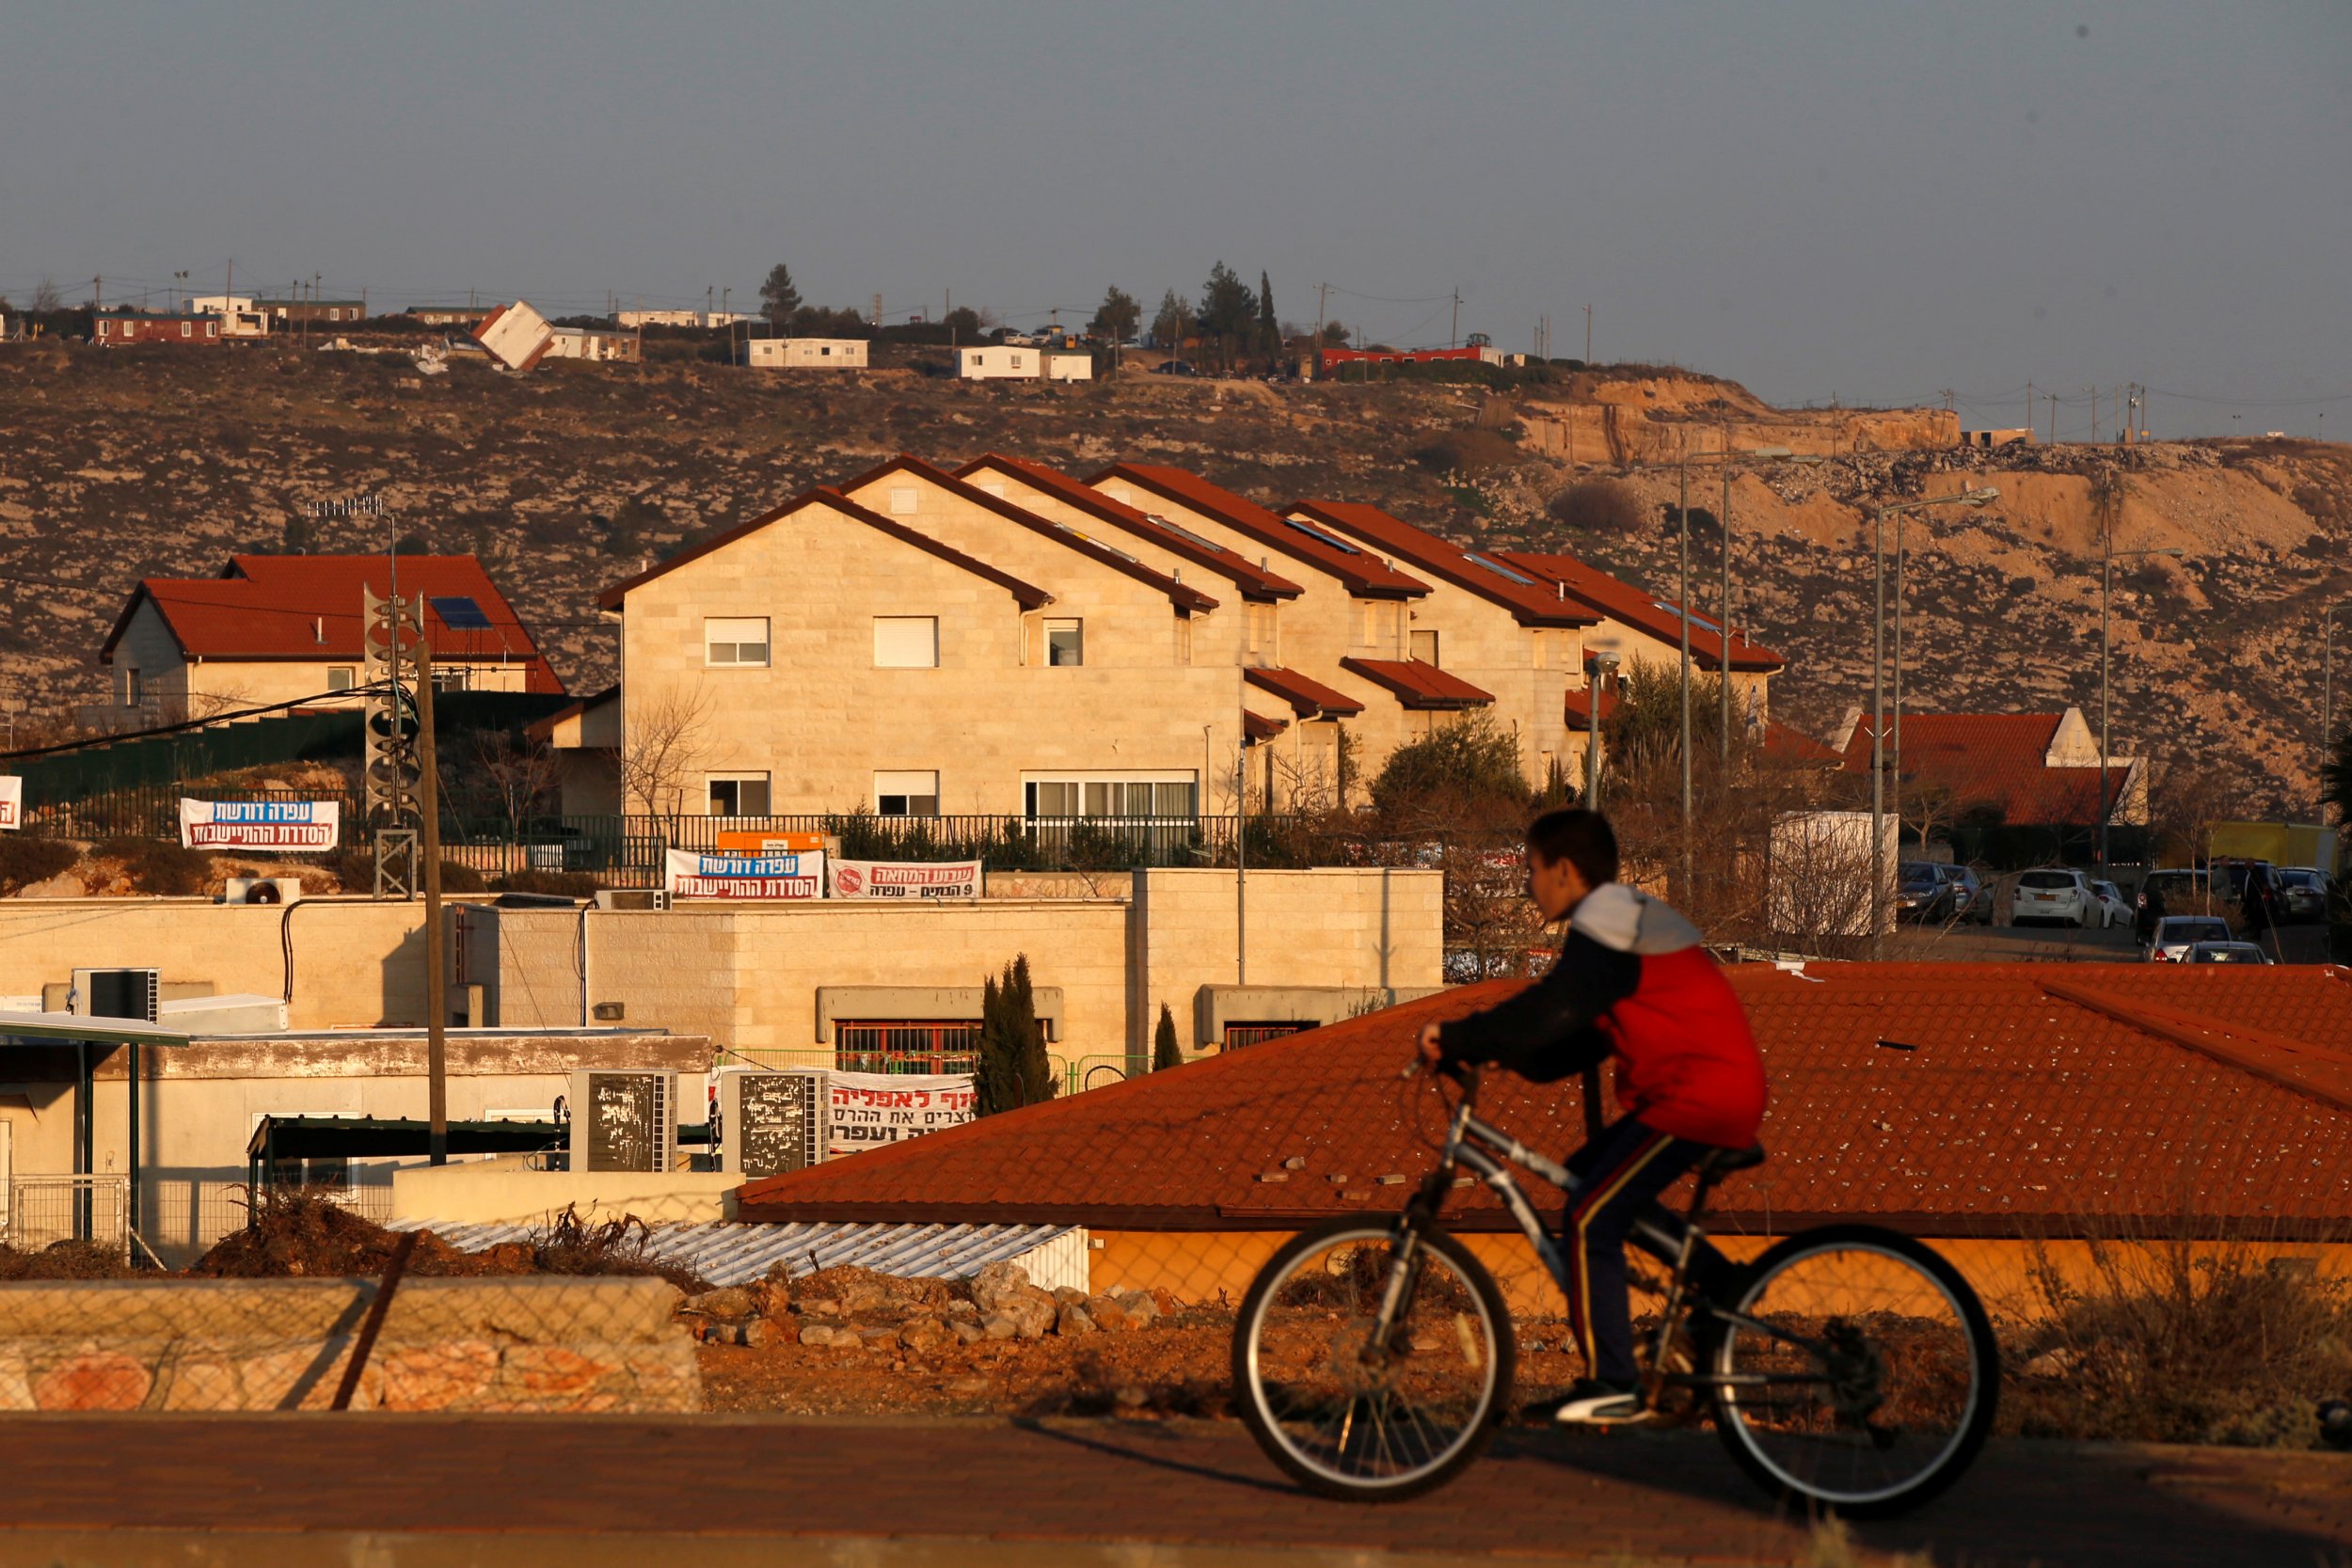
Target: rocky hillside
(116, 465)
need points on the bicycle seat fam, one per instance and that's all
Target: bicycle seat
(1722, 1161)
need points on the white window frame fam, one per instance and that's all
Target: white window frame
(908, 787)
(1078, 627)
(894, 635)
(905, 500)
(343, 677)
(1092, 788)
(736, 643)
(738, 780)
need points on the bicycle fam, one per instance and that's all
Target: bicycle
(1847, 1367)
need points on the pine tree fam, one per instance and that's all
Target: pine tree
(1269, 330)
(1164, 1052)
(778, 298)
(1012, 1070)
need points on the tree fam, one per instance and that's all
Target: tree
(964, 325)
(662, 743)
(46, 299)
(1225, 310)
(778, 298)
(1173, 324)
(1335, 334)
(412, 544)
(515, 777)
(1165, 1053)
(1012, 1070)
(625, 530)
(1269, 330)
(1117, 317)
(299, 536)
(1462, 771)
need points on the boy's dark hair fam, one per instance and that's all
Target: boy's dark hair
(1583, 839)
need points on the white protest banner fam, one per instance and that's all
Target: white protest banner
(266, 826)
(12, 802)
(695, 875)
(906, 879)
(866, 1110)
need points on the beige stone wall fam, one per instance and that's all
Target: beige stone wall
(1374, 929)
(1529, 670)
(820, 720)
(1750, 688)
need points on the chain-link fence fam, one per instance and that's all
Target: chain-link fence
(38, 1212)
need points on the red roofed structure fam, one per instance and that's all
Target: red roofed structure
(1417, 685)
(1531, 604)
(279, 627)
(1364, 573)
(2007, 769)
(1987, 1106)
(1656, 619)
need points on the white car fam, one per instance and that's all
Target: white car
(2114, 908)
(2054, 893)
(2175, 934)
(2225, 953)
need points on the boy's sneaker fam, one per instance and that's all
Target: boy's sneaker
(1593, 1402)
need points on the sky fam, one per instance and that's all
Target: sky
(1861, 201)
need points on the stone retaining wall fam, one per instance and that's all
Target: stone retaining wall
(529, 1344)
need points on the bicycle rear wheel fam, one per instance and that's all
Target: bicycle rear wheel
(1343, 1410)
(1858, 1371)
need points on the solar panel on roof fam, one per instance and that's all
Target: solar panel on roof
(460, 614)
(1184, 533)
(1315, 533)
(1497, 569)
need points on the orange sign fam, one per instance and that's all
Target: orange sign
(770, 843)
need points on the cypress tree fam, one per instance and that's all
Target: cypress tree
(1269, 330)
(1013, 1068)
(1164, 1052)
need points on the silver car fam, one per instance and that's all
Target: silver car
(2175, 934)
(2225, 953)
(1971, 898)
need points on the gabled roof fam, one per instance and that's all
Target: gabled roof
(1364, 573)
(1306, 697)
(1417, 685)
(1477, 572)
(1027, 596)
(1257, 726)
(1782, 745)
(543, 730)
(1181, 594)
(1996, 1100)
(1254, 582)
(308, 608)
(1624, 603)
(1996, 761)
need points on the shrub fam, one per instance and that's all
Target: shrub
(1467, 452)
(562, 884)
(454, 878)
(26, 861)
(1602, 506)
(1164, 1052)
(1462, 771)
(159, 867)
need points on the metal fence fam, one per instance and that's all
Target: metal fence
(40, 1211)
(1071, 1074)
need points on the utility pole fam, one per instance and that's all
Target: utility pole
(1241, 862)
(1454, 338)
(1588, 336)
(2094, 415)
(1723, 631)
(436, 938)
(2327, 693)
(1682, 515)
(1323, 292)
(2029, 411)
(878, 313)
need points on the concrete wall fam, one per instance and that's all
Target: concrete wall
(502, 1192)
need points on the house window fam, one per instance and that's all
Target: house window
(906, 641)
(188, 329)
(906, 794)
(903, 501)
(735, 643)
(739, 794)
(877, 1045)
(105, 330)
(131, 691)
(826, 352)
(1065, 643)
(1424, 647)
(340, 677)
(1018, 361)
(212, 329)
(1164, 799)
(1263, 648)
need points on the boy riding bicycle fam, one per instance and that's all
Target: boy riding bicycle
(1632, 981)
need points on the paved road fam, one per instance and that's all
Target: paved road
(2067, 945)
(457, 1492)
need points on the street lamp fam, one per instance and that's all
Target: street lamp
(1972, 497)
(2106, 592)
(1604, 666)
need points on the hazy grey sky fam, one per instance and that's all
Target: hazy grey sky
(1861, 198)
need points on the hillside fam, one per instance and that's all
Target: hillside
(129, 463)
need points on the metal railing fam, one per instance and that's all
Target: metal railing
(41, 1210)
(1071, 1074)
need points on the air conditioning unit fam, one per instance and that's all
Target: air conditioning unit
(623, 1118)
(116, 993)
(263, 890)
(633, 898)
(771, 1121)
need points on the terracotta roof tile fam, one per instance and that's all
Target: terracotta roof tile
(1992, 760)
(310, 608)
(1307, 696)
(1946, 1099)
(1417, 685)
(1531, 604)
(1628, 605)
(1364, 573)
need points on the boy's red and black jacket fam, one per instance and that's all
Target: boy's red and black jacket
(1633, 982)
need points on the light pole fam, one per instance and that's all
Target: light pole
(1878, 694)
(1604, 665)
(2327, 700)
(2107, 594)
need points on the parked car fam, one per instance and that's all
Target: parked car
(2114, 908)
(2054, 893)
(1924, 893)
(2303, 891)
(2225, 953)
(2186, 891)
(1971, 898)
(1173, 366)
(2175, 934)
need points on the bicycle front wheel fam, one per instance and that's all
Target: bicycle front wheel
(1347, 1411)
(1856, 1371)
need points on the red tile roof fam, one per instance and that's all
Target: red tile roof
(275, 608)
(543, 730)
(1366, 575)
(1795, 746)
(1992, 760)
(1254, 582)
(1028, 596)
(1628, 605)
(1257, 726)
(1307, 697)
(1417, 685)
(1998, 1100)
(1530, 604)
(1184, 595)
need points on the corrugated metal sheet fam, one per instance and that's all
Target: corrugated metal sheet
(730, 1252)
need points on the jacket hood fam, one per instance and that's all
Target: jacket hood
(1631, 921)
